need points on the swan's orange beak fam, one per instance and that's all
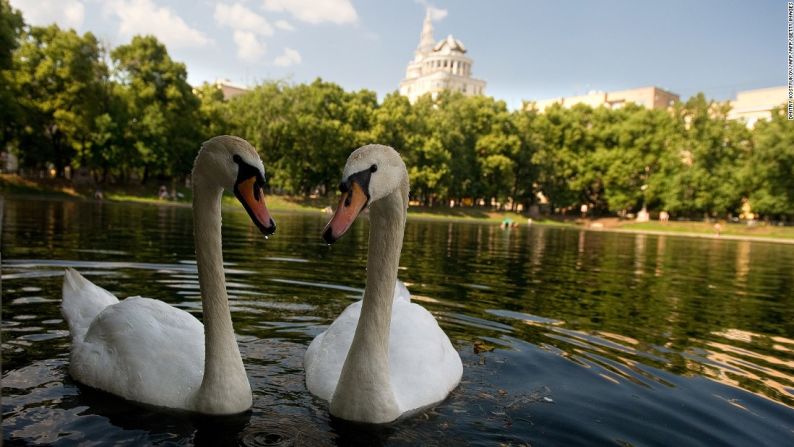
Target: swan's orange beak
(350, 205)
(249, 192)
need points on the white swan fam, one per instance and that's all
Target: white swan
(147, 351)
(384, 356)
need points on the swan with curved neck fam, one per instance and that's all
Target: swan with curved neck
(147, 351)
(384, 357)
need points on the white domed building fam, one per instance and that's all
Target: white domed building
(439, 66)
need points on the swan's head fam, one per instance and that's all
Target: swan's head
(371, 173)
(233, 164)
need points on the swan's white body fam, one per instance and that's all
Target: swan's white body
(383, 357)
(424, 366)
(140, 349)
(150, 352)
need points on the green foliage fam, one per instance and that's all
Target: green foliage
(769, 174)
(700, 174)
(58, 76)
(213, 110)
(305, 132)
(165, 115)
(11, 25)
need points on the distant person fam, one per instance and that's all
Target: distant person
(583, 210)
(163, 194)
(664, 216)
(98, 194)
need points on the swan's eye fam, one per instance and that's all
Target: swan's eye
(373, 168)
(343, 187)
(236, 158)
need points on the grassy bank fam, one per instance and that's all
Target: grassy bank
(759, 230)
(12, 184)
(148, 194)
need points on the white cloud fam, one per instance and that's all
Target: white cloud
(289, 57)
(249, 48)
(66, 13)
(436, 14)
(248, 28)
(145, 17)
(316, 11)
(240, 18)
(284, 25)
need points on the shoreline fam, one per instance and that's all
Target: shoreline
(728, 237)
(283, 204)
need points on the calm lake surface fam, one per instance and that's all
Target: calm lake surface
(567, 337)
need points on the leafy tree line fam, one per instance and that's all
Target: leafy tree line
(69, 102)
(128, 114)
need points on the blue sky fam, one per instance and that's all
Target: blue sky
(524, 49)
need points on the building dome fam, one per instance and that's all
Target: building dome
(449, 45)
(443, 66)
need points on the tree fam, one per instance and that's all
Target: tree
(59, 76)
(11, 25)
(305, 132)
(165, 124)
(458, 122)
(561, 159)
(525, 126)
(406, 127)
(701, 174)
(630, 144)
(769, 174)
(213, 110)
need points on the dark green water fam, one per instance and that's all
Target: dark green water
(567, 337)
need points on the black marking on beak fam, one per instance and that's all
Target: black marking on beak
(328, 236)
(245, 173)
(360, 177)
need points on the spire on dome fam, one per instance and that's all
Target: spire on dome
(426, 41)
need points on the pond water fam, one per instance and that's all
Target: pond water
(567, 337)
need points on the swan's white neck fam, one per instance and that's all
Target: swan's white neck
(224, 388)
(364, 391)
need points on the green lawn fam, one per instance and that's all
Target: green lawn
(727, 229)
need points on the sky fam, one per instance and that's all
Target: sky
(523, 49)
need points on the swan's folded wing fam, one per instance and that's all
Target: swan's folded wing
(327, 353)
(82, 302)
(425, 366)
(143, 350)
